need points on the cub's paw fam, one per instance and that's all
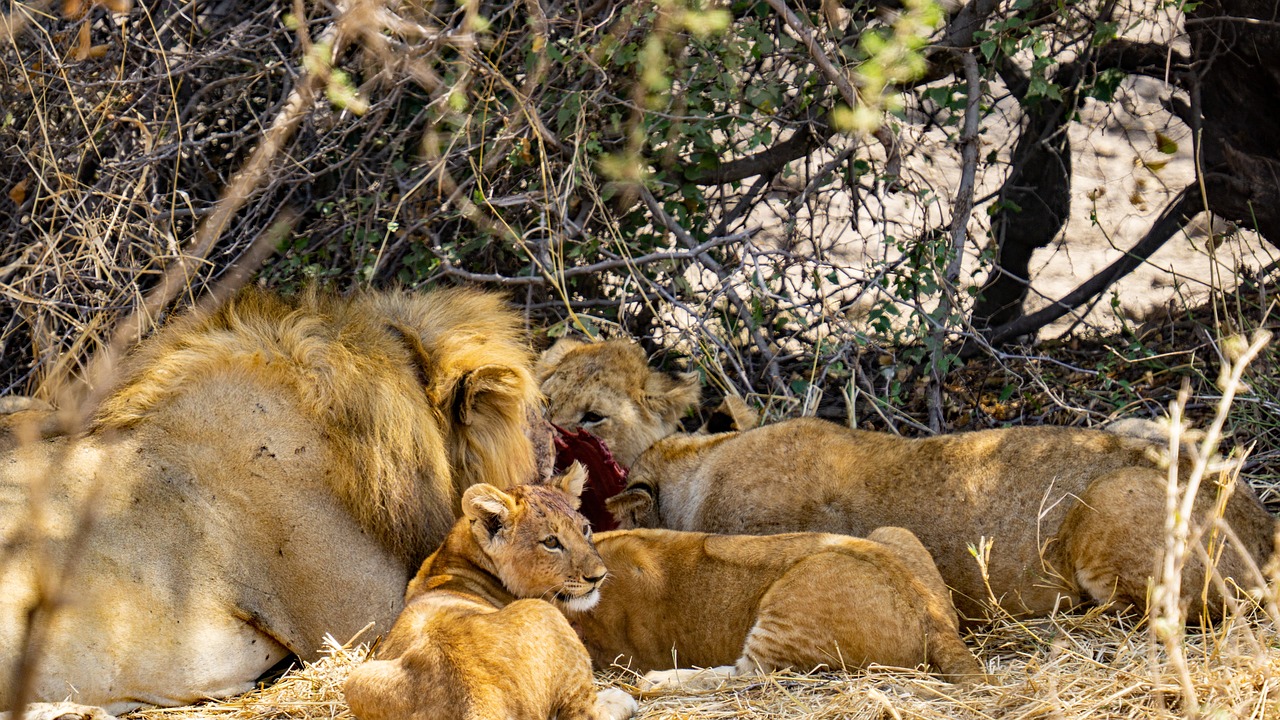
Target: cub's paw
(615, 704)
(62, 711)
(686, 678)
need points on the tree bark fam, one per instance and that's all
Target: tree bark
(1236, 45)
(1033, 205)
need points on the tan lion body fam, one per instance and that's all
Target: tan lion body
(467, 645)
(1070, 514)
(740, 604)
(262, 475)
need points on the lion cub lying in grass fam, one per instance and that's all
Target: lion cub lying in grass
(466, 647)
(738, 604)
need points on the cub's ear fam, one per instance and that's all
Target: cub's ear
(572, 482)
(487, 388)
(671, 395)
(732, 415)
(553, 356)
(489, 505)
(630, 506)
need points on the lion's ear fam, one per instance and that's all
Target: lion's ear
(572, 482)
(553, 356)
(489, 505)
(732, 415)
(671, 395)
(630, 505)
(484, 384)
(419, 354)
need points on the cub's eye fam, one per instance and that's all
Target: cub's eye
(551, 542)
(586, 530)
(590, 418)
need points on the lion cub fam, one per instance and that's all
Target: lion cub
(738, 604)
(466, 647)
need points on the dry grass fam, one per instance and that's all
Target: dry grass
(1090, 665)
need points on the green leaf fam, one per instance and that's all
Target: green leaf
(1104, 33)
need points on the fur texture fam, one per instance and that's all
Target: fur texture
(416, 387)
(263, 474)
(1070, 514)
(740, 604)
(474, 641)
(608, 389)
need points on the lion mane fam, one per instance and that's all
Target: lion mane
(359, 367)
(262, 474)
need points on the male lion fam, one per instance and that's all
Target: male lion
(262, 475)
(474, 641)
(1070, 514)
(739, 604)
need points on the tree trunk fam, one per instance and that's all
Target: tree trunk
(1034, 204)
(1236, 43)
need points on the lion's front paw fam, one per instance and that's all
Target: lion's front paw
(615, 704)
(686, 678)
(62, 711)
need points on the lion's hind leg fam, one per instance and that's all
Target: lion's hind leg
(62, 711)
(946, 651)
(694, 678)
(1113, 537)
(834, 608)
(381, 690)
(856, 606)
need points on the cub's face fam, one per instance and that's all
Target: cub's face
(609, 390)
(538, 543)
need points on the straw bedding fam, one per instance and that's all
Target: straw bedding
(1085, 665)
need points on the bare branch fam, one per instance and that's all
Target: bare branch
(963, 208)
(805, 32)
(1186, 204)
(694, 253)
(801, 143)
(744, 313)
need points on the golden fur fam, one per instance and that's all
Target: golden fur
(360, 366)
(25, 419)
(263, 474)
(1070, 514)
(740, 604)
(474, 640)
(608, 389)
